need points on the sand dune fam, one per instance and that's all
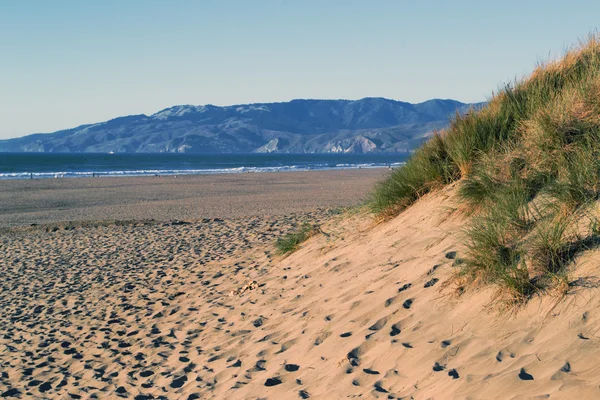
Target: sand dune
(366, 311)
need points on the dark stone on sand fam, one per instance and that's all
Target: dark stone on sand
(524, 376)
(566, 368)
(179, 382)
(193, 396)
(432, 270)
(273, 381)
(11, 393)
(453, 373)
(44, 387)
(147, 373)
(257, 322)
(304, 394)
(121, 390)
(451, 255)
(370, 371)
(437, 367)
(405, 287)
(431, 282)
(346, 334)
(291, 367)
(407, 304)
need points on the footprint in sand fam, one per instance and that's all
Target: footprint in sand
(321, 338)
(380, 323)
(390, 301)
(562, 372)
(379, 388)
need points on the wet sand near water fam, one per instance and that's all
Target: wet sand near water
(24, 202)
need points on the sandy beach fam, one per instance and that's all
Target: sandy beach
(95, 270)
(205, 309)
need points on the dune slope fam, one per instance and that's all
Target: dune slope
(375, 313)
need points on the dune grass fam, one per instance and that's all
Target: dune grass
(528, 166)
(292, 241)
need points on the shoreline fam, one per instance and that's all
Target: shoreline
(182, 197)
(18, 176)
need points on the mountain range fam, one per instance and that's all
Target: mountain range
(298, 126)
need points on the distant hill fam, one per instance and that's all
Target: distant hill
(299, 126)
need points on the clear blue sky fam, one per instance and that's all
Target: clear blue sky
(65, 63)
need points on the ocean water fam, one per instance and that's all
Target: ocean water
(68, 165)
